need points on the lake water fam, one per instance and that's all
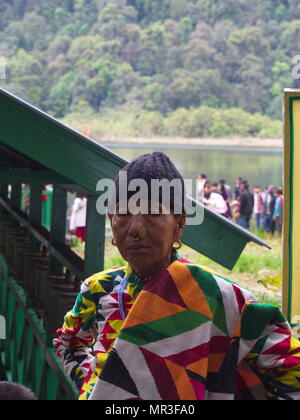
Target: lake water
(259, 166)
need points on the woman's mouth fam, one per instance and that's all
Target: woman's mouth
(136, 249)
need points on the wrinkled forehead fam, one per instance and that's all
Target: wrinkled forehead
(154, 194)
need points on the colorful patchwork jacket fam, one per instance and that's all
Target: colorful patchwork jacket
(189, 334)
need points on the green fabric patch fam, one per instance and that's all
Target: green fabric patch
(163, 328)
(256, 317)
(81, 307)
(258, 348)
(141, 334)
(135, 283)
(212, 293)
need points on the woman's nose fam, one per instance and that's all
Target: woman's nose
(137, 224)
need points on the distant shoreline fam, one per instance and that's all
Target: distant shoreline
(255, 143)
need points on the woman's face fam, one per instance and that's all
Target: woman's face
(151, 253)
(207, 188)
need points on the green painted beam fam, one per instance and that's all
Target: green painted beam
(20, 176)
(11, 165)
(58, 226)
(95, 239)
(3, 190)
(3, 194)
(16, 195)
(35, 213)
(39, 137)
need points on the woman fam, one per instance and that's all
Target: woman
(166, 329)
(214, 200)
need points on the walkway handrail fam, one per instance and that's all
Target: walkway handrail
(27, 357)
(61, 252)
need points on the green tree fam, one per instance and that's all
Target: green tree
(152, 50)
(97, 85)
(26, 71)
(253, 82)
(61, 94)
(151, 10)
(186, 27)
(194, 88)
(113, 18)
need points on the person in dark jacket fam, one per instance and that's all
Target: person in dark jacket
(270, 198)
(237, 190)
(246, 206)
(272, 208)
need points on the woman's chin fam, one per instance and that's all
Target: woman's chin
(140, 260)
(140, 263)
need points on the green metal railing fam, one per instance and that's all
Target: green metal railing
(27, 357)
(46, 207)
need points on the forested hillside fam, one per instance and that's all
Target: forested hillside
(172, 66)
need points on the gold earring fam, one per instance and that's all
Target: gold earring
(178, 246)
(113, 241)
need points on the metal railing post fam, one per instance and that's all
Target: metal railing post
(95, 239)
(35, 213)
(58, 225)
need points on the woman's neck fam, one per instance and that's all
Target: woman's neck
(148, 273)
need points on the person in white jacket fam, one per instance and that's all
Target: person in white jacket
(78, 217)
(214, 201)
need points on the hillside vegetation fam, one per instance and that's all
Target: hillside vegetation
(154, 67)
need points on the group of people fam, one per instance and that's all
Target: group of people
(242, 203)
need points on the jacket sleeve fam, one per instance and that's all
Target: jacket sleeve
(275, 357)
(242, 203)
(77, 336)
(277, 211)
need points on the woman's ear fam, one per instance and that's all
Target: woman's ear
(182, 221)
(181, 224)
